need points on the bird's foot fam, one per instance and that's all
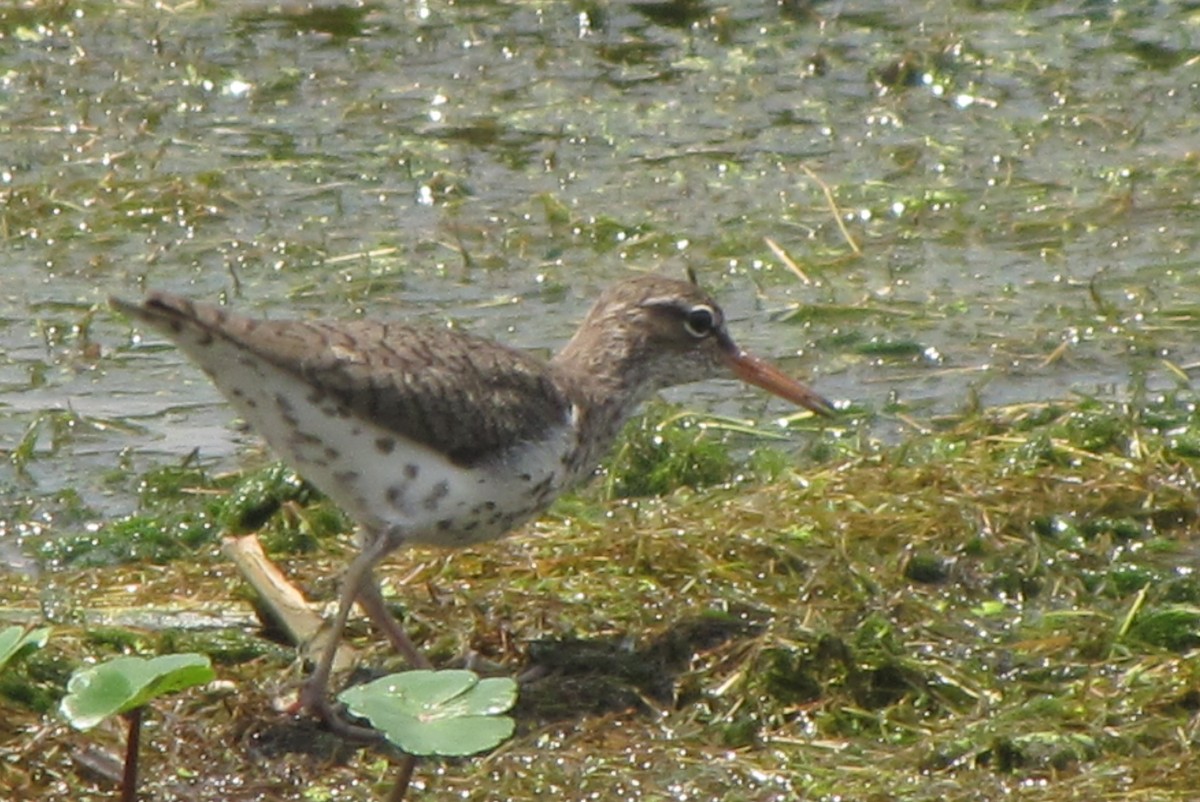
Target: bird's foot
(531, 674)
(312, 700)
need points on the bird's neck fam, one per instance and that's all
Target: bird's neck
(607, 380)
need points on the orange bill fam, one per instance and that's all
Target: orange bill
(753, 370)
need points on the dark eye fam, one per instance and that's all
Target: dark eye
(700, 321)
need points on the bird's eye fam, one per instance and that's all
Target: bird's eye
(700, 321)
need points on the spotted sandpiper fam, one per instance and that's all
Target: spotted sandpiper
(428, 435)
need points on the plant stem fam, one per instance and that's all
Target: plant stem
(403, 778)
(132, 738)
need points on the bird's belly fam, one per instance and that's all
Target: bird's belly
(447, 505)
(415, 495)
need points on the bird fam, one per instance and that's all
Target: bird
(427, 435)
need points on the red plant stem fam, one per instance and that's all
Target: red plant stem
(403, 778)
(132, 738)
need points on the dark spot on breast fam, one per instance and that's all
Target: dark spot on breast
(385, 445)
(395, 497)
(439, 492)
(411, 471)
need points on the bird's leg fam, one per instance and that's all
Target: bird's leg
(371, 601)
(314, 694)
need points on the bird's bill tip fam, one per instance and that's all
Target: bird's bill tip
(753, 370)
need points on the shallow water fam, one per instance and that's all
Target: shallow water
(1021, 179)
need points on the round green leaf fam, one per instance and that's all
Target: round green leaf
(14, 639)
(121, 684)
(456, 737)
(447, 713)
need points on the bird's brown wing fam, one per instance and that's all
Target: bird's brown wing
(464, 396)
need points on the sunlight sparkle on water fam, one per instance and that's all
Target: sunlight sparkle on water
(435, 113)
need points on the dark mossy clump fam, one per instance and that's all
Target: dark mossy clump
(185, 509)
(257, 499)
(668, 448)
(226, 646)
(157, 537)
(664, 450)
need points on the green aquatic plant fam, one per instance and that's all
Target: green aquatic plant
(124, 686)
(424, 713)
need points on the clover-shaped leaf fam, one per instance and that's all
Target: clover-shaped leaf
(15, 639)
(124, 683)
(446, 713)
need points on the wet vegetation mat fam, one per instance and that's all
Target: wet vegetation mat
(1001, 605)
